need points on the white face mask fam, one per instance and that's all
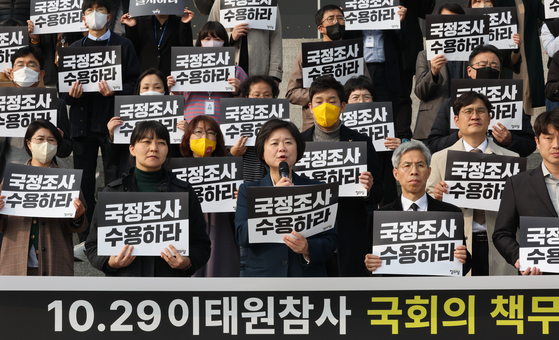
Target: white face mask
(43, 152)
(96, 20)
(151, 93)
(26, 77)
(212, 43)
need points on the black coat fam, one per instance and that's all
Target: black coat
(524, 195)
(416, 9)
(150, 266)
(442, 136)
(432, 205)
(18, 10)
(143, 37)
(47, 44)
(552, 85)
(102, 108)
(354, 213)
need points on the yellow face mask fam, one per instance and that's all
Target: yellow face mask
(203, 147)
(326, 114)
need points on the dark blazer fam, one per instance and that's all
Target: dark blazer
(524, 195)
(552, 85)
(432, 205)
(276, 259)
(416, 9)
(143, 37)
(442, 136)
(101, 108)
(155, 266)
(354, 212)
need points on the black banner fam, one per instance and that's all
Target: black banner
(499, 307)
(374, 119)
(21, 106)
(539, 243)
(503, 23)
(245, 116)
(11, 40)
(168, 110)
(341, 59)
(140, 8)
(455, 36)
(90, 65)
(214, 179)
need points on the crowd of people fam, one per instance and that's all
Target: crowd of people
(414, 164)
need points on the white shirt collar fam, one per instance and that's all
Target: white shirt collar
(422, 203)
(482, 146)
(105, 36)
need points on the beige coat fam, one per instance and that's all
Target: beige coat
(56, 248)
(265, 49)
(497, 264)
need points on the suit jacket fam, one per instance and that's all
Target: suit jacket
(552, 85)
(143, 37)
(416, 9)
(497, 265)
(432, 205)
(354, 213)
(525, 194)
(56, 247)
(276, 259)
(442, 136)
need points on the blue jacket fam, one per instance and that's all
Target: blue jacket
(276, 259)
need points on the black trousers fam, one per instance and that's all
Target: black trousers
(86, 150)
(480, 254)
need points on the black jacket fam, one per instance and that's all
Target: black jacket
(102, 108)
(143, 37)
(432, 205)
(441, 136)
(18, 10)
(354, 213)
(150, 266)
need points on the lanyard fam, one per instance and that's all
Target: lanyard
(162, 34)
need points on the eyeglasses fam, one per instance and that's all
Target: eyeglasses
(484, 64)
(333, 19)
(469, 112)
(41, 140)
(200, 133)
(101, 10)
(418, 166)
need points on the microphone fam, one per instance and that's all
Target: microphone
(284, 170)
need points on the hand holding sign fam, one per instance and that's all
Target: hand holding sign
(402, 12)
(239, 149)
(128, 20)
(187, 16)
(461, 254)
(80, 208)
(437, 63)
(372, 262)
(298, 243)
(440, 189)
(30, 29)
(502, 134)
(2, 202)
(175, 261)
(240, 31)
(529, 270)
(104, 89)
(77, 90)
(367, 180)
(123, 259)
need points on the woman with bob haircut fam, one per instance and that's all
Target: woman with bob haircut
(149, 145)
(36, 245)
(212, 34)
(280, 141)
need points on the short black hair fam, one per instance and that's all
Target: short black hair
(324, 83)
(544, 120)
(213, 29)
(11, 23)
(150, 71)
(266, 131)
(27, 50)
(318, 17)
(245, 86)
(150, 129)
(100, 3)
(469, 5)
(483, 49)
(36, 126)
(454, 8)
(359, 83)
(468, 98)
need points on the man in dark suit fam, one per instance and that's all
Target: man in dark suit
(411, 163)
(327, 95)
(530, 193)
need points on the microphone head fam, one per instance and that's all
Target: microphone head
(283, 169)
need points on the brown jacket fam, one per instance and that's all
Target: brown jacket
(56, 254)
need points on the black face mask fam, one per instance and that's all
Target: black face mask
(487, 73)
(335, 32)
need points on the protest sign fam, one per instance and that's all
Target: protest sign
(539, 243)
(140, 8)
(503, 23)
(11, 40)
(21, 106)
(371, 15)
(62, 16)
(374, 119)
(258, 14)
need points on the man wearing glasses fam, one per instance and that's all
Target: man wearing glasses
(471, 116)
(331, 23)
(485, 63)
(411, 162)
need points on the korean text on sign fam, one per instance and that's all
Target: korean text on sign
(371, 119)
(371, 14)
(258, 14)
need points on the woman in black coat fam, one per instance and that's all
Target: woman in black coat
(149, 145)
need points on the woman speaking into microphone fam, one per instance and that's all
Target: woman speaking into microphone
(279, 145)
